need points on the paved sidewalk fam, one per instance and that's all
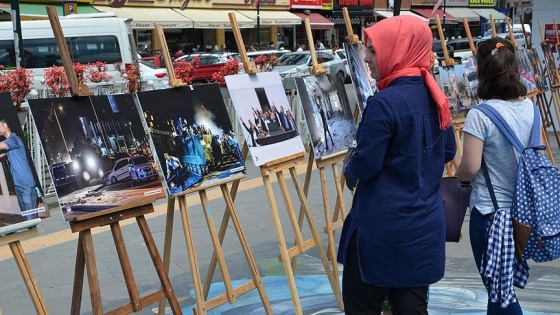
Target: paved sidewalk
(52, 256)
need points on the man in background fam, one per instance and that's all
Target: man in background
(19, 168)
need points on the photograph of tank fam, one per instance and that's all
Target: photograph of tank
(98, 152)
(192, 135)
(328, 114)
(550, 64)
(363, 84)
(21, 196)
(263, 110)
(526, 73)
(455, 85)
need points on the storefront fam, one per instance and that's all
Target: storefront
(204, 25)
(36, 10)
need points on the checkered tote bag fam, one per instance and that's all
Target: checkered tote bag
(536, 202)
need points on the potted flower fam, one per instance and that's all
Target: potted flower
(266, 64)
(231, 67)
(184, 70)
(132, 76)
(56, 81)
(97, 72)
(17, 82)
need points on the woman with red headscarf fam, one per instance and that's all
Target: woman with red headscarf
(393, 240)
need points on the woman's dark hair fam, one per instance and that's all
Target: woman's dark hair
(498, 70)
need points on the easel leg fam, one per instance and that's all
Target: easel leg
(331, 253)
(282, 244)
(91, 267)
(158, 264)
(167, 245)
(78, 277)
(246, 250)
(217, 246)
(200, 307)
(28, 278)
(316, 236)
(126, 267)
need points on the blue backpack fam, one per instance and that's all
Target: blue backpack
(536, 201)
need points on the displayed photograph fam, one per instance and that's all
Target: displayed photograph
(21, 196)
(98, 152)
(456, 87)
(527, 76)
(262, 108)
(550, 65)
(471, 77)
(192, 135)
(328, 114)
(540, 80)
(363, 84)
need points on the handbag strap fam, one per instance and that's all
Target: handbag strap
(489, 184)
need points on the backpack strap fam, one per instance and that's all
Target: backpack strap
(506, 130)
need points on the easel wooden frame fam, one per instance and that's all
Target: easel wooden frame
(85, 257)
(13, 240)
(203, 305)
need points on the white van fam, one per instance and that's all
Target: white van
(89, 37)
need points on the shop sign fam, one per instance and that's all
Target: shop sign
(485, 3)
(328, 5)
(340, 20)
(550, 35)
(367, 4)
(306, 4)
(425, 2)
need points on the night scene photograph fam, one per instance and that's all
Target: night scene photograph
(98, 152)
(192, 135)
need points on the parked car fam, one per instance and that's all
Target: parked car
(152, 61)
(298, 62)
(519, 38)
(64, 175)
(136, 168)
(341, 54)
(157, 76)
(210, 63)
(278, 53)
(460, 49)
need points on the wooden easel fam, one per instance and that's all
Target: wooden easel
(85, 257)
(203, 305)
(13, 240)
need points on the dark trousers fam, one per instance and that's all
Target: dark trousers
(361, 298)
(479, 242)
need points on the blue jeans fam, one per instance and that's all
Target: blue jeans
(27, 199)
(479, 242)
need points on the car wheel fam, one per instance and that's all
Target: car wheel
(113, 180)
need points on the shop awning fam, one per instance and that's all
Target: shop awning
(485, 13)
(427, 13)
(389, 13)
(212, 18)
(317, 21)
(148, 18)
(272, 17)
(36, 11)
(461, 13)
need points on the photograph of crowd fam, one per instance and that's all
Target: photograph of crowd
(550, 63)
(21, 197)
(540, 80)
(192, 135)
(456, 87)
(526, 73)
(263, 110)
(98, 152)
(328, 114)
(363, 84)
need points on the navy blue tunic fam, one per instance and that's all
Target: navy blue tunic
(397, 210)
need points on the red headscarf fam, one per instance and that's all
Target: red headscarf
(403, 46)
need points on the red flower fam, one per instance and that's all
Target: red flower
(55, 79)
(97, 72)
(231, 67)
(17, 82)
(185, 70)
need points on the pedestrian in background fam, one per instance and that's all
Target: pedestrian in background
(499, 86)
(393, 239)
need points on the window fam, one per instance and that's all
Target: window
(43, 52)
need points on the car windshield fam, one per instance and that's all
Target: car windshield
(293, 59)
(341, 54)
(139, 160)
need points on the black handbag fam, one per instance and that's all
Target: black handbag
(455, 195)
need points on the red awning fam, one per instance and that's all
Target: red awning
(427, 13)
(316, 21)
